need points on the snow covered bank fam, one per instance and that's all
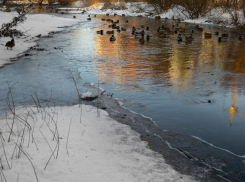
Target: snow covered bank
(91, 148)
(216, 15)
(34, 25)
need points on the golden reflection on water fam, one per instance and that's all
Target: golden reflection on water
(163, 62)
(233, 108)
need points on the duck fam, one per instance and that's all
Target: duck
(100, 32)
(110, 32)
(140, 33)
(179, 38)
(225, 35)
(222, 39)
(112, 38)
(216, 33)
(181, 29)
(207, 35)
(142, 41)
(240, 37)
(162, 35)
(147, 37)
(123, 29)
(188, 40)
(133, 28)
(10, 44)
(118, 30)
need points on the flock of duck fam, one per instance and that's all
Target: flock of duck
(163, 32)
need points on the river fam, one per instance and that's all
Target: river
(196, 90)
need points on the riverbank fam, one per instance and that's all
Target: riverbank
(77, 143)
(34, 27)
(216, 16)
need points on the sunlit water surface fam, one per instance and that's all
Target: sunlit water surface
(168, 81)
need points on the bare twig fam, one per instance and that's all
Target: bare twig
(47, 142)
(68, 137)
(29, 161)
(4, 151)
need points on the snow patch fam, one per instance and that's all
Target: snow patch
(91, 147)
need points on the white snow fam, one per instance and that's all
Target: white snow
(143, 9)
(91, 148)
(88, 95)
(34, 25)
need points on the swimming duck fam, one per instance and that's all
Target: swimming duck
(112, 38)
(222, 39)
(159, 28)
(216, 33)
(240, 37)
(225, 35)
(110, 32)
(162, 35)
(148, 37)
(181, 29)
(123, 29)
(142, 41)
(140, 33)
(179, 38)
(207, 35)
(188, 40)
(100, 32)
(10, 44)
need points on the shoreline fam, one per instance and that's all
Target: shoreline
(43, 27)
(185, 156)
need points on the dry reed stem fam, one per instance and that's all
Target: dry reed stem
(29, 161)
(68, 137)
(4, 151)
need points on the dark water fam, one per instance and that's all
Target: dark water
(168, 81)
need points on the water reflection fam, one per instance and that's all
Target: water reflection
(233, 108)
(171, 81)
